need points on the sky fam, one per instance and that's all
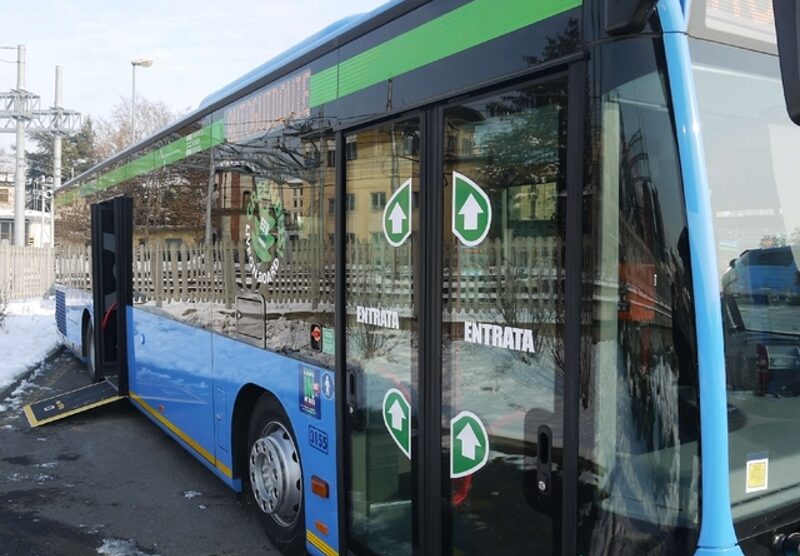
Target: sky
(197, 46)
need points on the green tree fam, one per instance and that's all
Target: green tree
(78, 153)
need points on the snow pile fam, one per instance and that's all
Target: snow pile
(16, 400)
(120, 547)
(27, 336)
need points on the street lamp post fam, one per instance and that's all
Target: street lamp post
(145, 63)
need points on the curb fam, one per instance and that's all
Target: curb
(27, 373)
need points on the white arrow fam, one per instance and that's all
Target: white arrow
(470, 212)
(398, 415)
(397, 216)
(469, 441)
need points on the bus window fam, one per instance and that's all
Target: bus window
(638, 447)
(751, 154)
(274, 272)
(381, 255)
(503, 317)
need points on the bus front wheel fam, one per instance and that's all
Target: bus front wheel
(275, 476)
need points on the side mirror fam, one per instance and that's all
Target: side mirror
(732, 263)
(628, 16)
(787, 30)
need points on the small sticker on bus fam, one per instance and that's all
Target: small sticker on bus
(310, 392)
(318, 439)
(757, 473)
(328, 341)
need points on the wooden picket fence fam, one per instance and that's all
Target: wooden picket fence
(25, 272)
(217, 273)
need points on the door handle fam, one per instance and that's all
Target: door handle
(544, 459)
(351, 391)
(353, 377)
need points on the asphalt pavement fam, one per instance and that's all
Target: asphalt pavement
(108, 481)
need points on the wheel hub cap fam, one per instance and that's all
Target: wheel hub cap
(275, 475)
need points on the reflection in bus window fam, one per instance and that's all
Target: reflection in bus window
(381, 329)
(751, 149)
(271, 226)
(639, 421)
(502, 330)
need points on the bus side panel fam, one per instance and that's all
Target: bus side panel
(73, 302)
(170, 378)
(312, 417)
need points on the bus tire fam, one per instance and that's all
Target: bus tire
(91, 362)
(275, 476)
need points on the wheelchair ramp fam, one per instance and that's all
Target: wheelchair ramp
(69, 403)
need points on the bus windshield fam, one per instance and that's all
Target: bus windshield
(751, 151)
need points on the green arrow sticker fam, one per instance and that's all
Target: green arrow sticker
(397, 215)
(397, 418)
(469, 444)
(471, 211)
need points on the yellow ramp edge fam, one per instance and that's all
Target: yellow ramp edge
(76, 401)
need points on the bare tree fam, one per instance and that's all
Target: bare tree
(114, 133)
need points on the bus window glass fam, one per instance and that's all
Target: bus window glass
(171, 258)
(502, 330)
(381, 331)
(751, 151)
(272, 235)
(73, 234)
(639, 421)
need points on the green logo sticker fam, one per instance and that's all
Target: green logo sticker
(265, 232)
(469, 444)
(471, 211)
(397, 418)
(397, 215)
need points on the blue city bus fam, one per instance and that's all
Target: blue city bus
(447, 278)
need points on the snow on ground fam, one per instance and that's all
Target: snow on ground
(120, 547)
(28, 334)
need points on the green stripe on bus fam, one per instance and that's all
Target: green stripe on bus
(322, 86)
(170, 153)
(470, 25)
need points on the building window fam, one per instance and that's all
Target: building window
(331, 158)
(5, 231)
(351, 147)
(378, 200)
(3, 195)
(411, 144)
(350, 202)
(297, 197)
(331, 206)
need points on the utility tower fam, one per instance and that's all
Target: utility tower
(20, 111)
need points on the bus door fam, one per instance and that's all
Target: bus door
(112, 223)
(454, 251)
(112, 226)
(503, 320)
(381, 216)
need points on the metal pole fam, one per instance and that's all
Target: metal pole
(133, 103)
(41, 211)
(56, 160)
(19, 176)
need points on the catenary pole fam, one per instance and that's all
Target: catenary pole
(19, 175)
(56, 159)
